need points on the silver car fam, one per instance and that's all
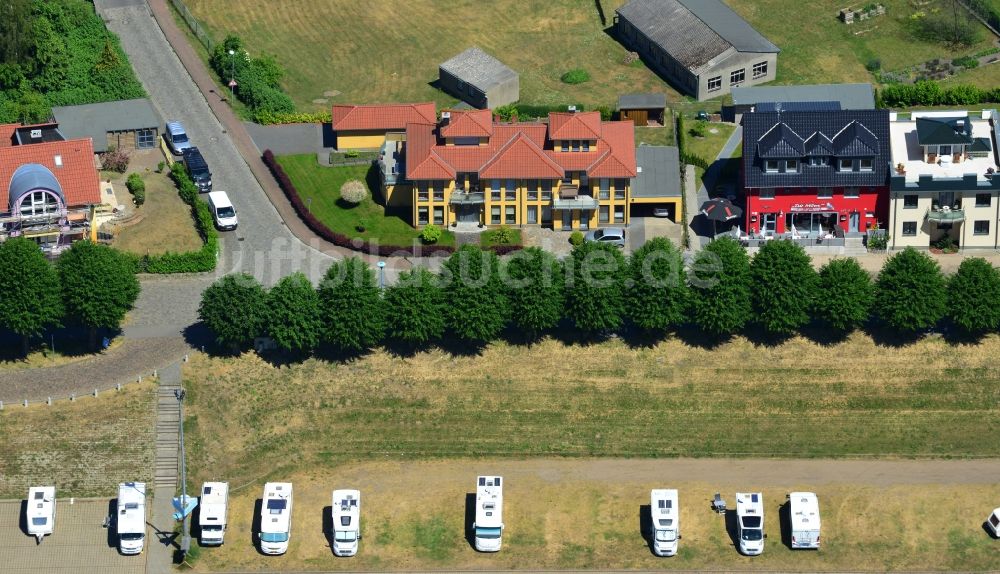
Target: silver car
(176, 138)
(612, 235)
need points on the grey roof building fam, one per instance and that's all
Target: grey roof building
(829, 97)
(657, 182)
(132, 124)
(479, 79)
(642, 109)
(702, 46)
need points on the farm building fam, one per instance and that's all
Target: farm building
(479, 79)
(128, 124)
(701, 46)
(365, 127)
(642, 109)
(834, 96)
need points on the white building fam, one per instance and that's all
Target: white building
(276, 518)
(665, 514)
(750, 522)
(943, 186)
(346, 521)
(803, 513)
(489, 513)
(130, 520)
(212, 517)
(41, 512)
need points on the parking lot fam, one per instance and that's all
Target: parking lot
(79, 544)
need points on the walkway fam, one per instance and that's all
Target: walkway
(700, 229)
(163, 545)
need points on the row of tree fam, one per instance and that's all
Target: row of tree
(476, 296)
(90, 285)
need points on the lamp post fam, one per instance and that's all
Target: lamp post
(232, 73)
(381, 274)
(185, 531)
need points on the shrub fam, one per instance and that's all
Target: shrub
(873, 65)
(352, 153)
(161, 166)
(576, 238)
(575, 76)
(353, 191)
(606, 112)
(966, 62)
(431, 233)
(258, 79)
(137, 186)
(699, 129)
(503, 235)
(784, 286)
(115, 159)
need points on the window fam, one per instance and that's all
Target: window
(620, 188)
(715, 83)
(736, 78)
(586, 145)
(791, 165)
(510, 195)
(145, 138)
(546, 189)
(619, 214)
(495, 189)
(866, 165)
(818, 161)
(759, 70)
(439, 215)
(495, 215)
(604, 188)
(909, 202)
(532, 214)
(847, 165)
(423, 194)
(422, 216)
(983, 200)
(576, 145)
(944, 150)
(465, 141)
(771, 166)
(981, 227)
(585, 219)
(824, 193)
(565, 145)
(851, 192)
(546, 214)
(909, 228)
(511, 215)
(604, 214)
(438, 190)
(767, 193)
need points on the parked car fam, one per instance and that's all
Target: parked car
(198, 169)
(703, 115)
(612, 235)
(222, 210)
(177, 138)
(661, 212)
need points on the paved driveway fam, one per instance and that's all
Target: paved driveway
(79, 544)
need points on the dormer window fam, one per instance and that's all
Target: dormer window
(586, 145)
(818, 161)
(771, 166)
(565, 145)
(847, 165)
(866, 165)
(791, 165)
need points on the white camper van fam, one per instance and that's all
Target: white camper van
(993, 522)
(222, 210)
(489, 514)
(130, 520)
(666, 521)
(41, 516)
(803, 513)
(346, 521)
(750, 522)
(214, 505)
(276, 518)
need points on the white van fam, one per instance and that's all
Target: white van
(276, 518)
(346, 521)
(41, 516)
(130, 521)
(665, 514)
(223, 212)
(803, 513)
(488, 527)
(750, 522)
(212, 516)
(993, 522)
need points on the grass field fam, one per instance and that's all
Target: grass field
(166, 221)
(319, 187)
(84, 448)
(655, 135)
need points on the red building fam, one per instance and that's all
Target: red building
(816, 173)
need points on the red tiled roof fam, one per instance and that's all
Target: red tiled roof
(382, 117)
(521, 158)
(77, 176)
(7, 134)
(575, 125)
(421, 160)
(469, 124)
(619, 139)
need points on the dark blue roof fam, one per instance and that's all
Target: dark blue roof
(824, 106)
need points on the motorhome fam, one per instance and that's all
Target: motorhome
(41, 511)
(993, 523)
(214, 505)
(750, 522)
(803, 514)
(130, 519)
(488, 526)
(665, 516)
(276, 518)
(346, 521)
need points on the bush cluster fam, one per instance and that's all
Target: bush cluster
(115, 159)
(258, 79)
(931, 93)
(339, 239)
(267, 117)
(538, 111)
(137, 187)
(430, 234)
(575, 76)
(353, 191)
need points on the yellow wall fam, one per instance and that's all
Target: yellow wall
(371, 139)
(451, 141)
(431, 203)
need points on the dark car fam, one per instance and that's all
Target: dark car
(198, 169)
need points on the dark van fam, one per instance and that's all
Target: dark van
(198, 169)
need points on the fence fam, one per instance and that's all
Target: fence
(196, 28)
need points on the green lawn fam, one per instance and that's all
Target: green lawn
(656, 135)
(319, 188)
(489, 237)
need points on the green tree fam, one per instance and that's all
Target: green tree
(414, 308)
(535, 290)
(52, 59)
(658, 297)
(351, 308)
(477, 308)
(973, 294)
(30, 298)
(16, 40)
(784, 286)
(235, 309)
(845, 294)
(720, 282)
(910, 292)
(293, 314)
(595, 297)
(99, 286)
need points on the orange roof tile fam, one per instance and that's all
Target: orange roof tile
(381, 116)
(521, 158)
(77, 175)
(7, 134)
(473, 123)
(574, 125)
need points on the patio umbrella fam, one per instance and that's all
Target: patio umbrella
(720, 209)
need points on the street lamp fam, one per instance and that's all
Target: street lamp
(232, 73)
(381, 274)
(185, 531)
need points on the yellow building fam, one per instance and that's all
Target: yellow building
(364, 127)
(574, 172)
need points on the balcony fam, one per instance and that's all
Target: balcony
(945, 215)
(577, 202)
(467, 198)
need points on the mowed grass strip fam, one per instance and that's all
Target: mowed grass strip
(564, 514)
(84, 448)
(799, 399)
(166, 225)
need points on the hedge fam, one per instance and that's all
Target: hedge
(339, 239)
(267, 117)
(931, 93)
